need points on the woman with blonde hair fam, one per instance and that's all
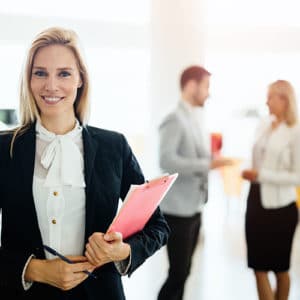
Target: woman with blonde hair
(272, 215)
(60, 185)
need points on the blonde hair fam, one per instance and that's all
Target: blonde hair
(29, 112)
(285, 90)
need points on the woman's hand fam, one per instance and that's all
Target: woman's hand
(250, 174)
(58, 273)
(104, 248)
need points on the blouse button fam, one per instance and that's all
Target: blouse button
(53, 221)
(55, 193)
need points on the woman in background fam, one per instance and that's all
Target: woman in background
(60, 185)
(272, 215)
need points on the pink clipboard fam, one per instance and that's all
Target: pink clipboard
(140, 203)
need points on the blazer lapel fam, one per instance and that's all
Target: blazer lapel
(24, 155)
(193, 131)
(280, 138)
(90, 150)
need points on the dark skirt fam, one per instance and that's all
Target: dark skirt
(269, 233)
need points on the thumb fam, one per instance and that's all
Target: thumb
(113, 236)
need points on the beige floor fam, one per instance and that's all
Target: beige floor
(219, 266)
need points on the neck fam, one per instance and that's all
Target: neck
(188, 98)
(277, 121)
(58, 125)
(279, 118)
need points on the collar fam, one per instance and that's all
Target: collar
(62, 157)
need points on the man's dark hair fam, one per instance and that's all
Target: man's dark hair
(192, 73)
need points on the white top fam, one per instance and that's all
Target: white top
(58, 189)
(276, 155)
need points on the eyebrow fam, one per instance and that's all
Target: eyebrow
(43, 68)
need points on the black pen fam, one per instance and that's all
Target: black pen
(54, 252)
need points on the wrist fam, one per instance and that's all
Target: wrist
(34, 270)
(126, 251)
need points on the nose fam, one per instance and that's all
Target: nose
(51, 84)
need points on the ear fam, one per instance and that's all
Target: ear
(190, 85)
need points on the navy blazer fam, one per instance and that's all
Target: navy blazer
(110, 168)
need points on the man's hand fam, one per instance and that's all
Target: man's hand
(221, 162)
(104, 248)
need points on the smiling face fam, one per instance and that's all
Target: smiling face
(54, 82)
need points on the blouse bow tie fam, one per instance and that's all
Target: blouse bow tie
(62, 157)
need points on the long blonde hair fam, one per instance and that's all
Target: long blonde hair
(285, 90)
(29, 112)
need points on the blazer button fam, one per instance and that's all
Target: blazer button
(53, 221)
(55, 193)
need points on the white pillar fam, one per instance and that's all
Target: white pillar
(177, 41)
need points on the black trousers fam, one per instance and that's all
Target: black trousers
(180, 247)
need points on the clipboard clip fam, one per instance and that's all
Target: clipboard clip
(164, 179)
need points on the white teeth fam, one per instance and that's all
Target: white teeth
(52, 99)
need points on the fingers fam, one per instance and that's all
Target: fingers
(77, 258)
(101, 247)
(95, 249)
(69, 283)
(66, 276)
(80, 267)
(92, 255)
(227, 161)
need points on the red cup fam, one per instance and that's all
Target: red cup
(216, 143)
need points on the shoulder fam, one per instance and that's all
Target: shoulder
(106, 139)
(295, 130)
(174, 117)
(265, 122)
(6, 138)
(296, 127)
(5, 145)
(104, 134)
(262, 126)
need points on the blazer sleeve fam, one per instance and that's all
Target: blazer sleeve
(170, 134)
(12, 262)
(156, 232)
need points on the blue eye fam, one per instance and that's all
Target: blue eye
(64, 74)
(40, 73)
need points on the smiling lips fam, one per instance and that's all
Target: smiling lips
(52, 100)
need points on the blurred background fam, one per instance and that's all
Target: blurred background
(135, 51)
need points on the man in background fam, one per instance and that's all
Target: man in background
(185, 148)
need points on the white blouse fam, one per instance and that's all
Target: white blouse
(59, 189)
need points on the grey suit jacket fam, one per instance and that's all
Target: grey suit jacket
(182, 149)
